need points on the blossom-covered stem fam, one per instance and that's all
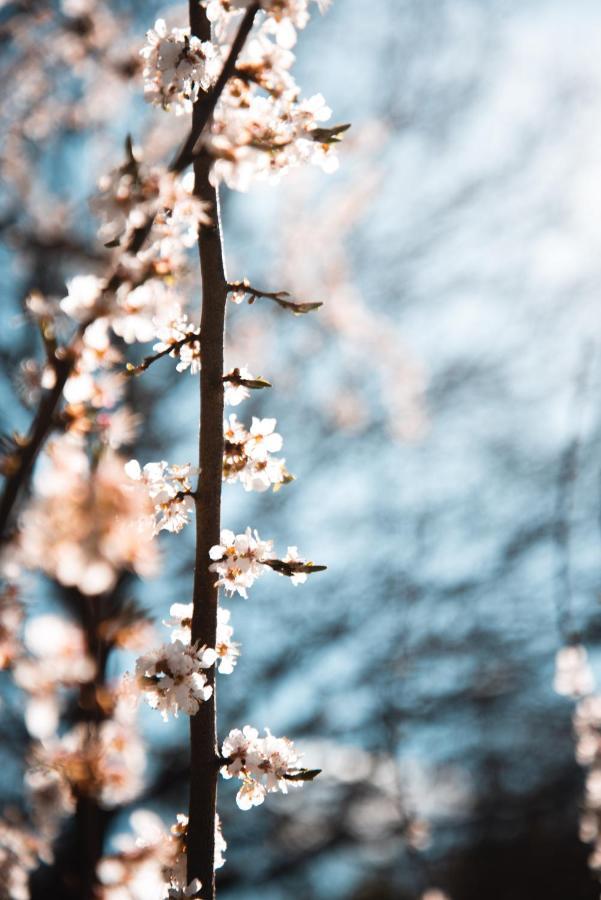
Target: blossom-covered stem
(204, 756)
(34, 441)
(174, 347)
(205, 105)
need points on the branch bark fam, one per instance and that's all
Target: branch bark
(204, 755)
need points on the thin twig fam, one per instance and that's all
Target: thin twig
(279, 297)
(191, 338)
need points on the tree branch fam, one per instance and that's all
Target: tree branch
(149, 360)
(245, 289)
(204, 754)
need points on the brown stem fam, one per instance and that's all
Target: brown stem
(90, 820)
(204, 759)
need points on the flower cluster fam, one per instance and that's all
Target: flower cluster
(85, 525)
(260, 127)
(151, 862)
(57, 658)
(285, 15)
(247, 454)
(20, 853)
(104, 760)
(169, 489)
(264, 765)
(227, 650)
(172, 677)
(573, 675)
(574, 678)
(238, 560)
(176, 337)
(256, 137)
(135, 194)
(237, 383)
(78, 526)
(177, 66)
(241, 558)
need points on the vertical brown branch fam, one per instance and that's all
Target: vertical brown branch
(203, 738)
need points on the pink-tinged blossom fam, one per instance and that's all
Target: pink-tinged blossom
(84, 293)
(105, 761)
(11, 619)
(241, 558)
(172, 677)
(177, 66)
(573, 674)
(140, 869)
(57, 658)
(134, 196)
(169, 489)
(84, 386)
(50, 798)
(119, 428)
(84, 523)
(151, 861)
(237, 560)
(32, 378)
(263, 764)
(20, 853)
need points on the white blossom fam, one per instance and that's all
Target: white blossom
(292, 555)
(86, 523)
(84, 292)
(174, 331)
(180, 893)
(256, 137)
(237, 560)
(263, 764)
(234, 392)
(169, 489)
(172, 677)
(177, 66)
(573, 674)
(226, 649)
(105, 761)
(247, 454)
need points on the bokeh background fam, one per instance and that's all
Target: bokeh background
(441, 414)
